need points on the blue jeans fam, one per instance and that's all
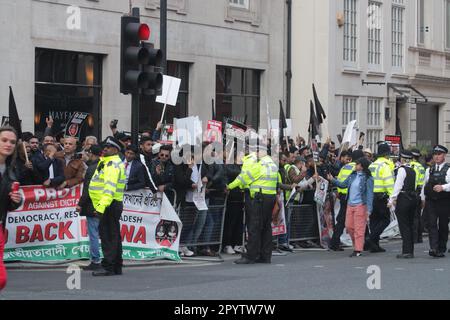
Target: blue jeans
(94, 247)
(197, 227)
(284, 238)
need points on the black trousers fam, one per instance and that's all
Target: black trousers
(340, 222)
(109, 231)
(405, 211)
(418, 224)
(438, 215)
(260, 228)
(232, 229)
(380, 217)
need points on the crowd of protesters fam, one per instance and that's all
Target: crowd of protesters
(57, 162)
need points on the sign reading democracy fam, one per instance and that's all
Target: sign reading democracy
(47, 228)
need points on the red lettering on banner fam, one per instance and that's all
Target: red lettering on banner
(47, 231)
(37, 234)
(140, 236)
(64, 230)
(127, 234)
(22, 234)
(84, 231)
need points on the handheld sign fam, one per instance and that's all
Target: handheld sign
(170, 89)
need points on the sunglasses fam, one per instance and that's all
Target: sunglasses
(164, 155)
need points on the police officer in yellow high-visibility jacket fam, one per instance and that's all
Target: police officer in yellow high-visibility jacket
(383, 176)
(106, 192)
(262, 179)
(344, 173)
(420, 180)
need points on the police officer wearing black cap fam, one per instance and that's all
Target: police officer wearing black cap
(405, 201)
(436, 193)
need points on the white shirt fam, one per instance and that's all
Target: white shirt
(427, 177)
(399, 182)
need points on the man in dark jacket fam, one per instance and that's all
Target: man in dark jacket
(134, 169)
(163, 170)
(53, 176)
(85, 208)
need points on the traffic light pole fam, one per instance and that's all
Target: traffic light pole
(163, 34)
(135, 119)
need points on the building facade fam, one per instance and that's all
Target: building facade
(63, 56)
(385, 63)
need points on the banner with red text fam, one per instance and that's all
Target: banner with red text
(47, 228)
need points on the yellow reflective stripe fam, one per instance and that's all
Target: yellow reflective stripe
(241, 180)
(249, 174)
(109, 192)
(91, 187)
(112, 184)
(269, 179)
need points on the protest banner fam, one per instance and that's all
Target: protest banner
(213, 131)
(75, 123)
(47, 228)
(394, 142)
(279, 217)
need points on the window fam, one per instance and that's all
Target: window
(348, 110)
(239, 3)
(374, 112)
(421, 21)
(398, 14)
(67, 82)
(447, 24)
(374, 23)
(350, 30)
(238, 95)
(374, 122)
(372, 137)
(150, 111)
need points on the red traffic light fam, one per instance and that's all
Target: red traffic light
(144, 32)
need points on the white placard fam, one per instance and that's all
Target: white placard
(348, 135)
(170, 89)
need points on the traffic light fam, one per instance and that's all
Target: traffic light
(138, 59)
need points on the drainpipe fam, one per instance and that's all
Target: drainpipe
(289, 58)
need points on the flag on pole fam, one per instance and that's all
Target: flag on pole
(320, 113)
(14, 120)
(313, 127)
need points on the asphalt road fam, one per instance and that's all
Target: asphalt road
(300, 275)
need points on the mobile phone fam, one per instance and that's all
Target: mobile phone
(15, 186)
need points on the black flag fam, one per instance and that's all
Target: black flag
(313, 122)
(283, 124)
(320, 113)
(14, 120)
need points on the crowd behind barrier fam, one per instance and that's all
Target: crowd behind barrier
(222, 226)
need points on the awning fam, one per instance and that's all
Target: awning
(408, 92)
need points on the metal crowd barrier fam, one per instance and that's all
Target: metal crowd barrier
(212, 231)
(304, 223)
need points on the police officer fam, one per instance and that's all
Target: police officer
(262, 179)
(436, 192)
(404, 198)
(420, 178)
(248, 162)
(344, 173)
(106, 192)
(382, 173)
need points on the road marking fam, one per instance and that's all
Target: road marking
(360, 268)
(280, 265)
(399, 269)
(318, 266)
(438, 269)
